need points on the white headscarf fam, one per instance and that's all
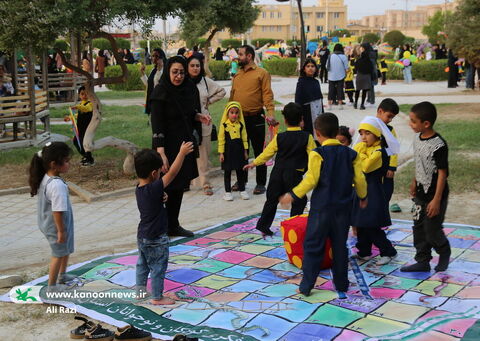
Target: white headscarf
(379, 128)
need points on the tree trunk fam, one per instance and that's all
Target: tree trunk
(206, 52)
(129, 147)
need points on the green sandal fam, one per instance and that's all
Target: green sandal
(395, 208)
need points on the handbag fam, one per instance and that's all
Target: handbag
(214, 135)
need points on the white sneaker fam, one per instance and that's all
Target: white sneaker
(244, 195)
(384, 260)
(228, 196)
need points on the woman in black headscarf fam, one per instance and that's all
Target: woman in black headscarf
(176, 117)
(309, 94)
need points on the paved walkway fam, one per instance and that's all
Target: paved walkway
(109, 226)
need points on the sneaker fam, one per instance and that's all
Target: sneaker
(180, 231)
(228, 196)
(355, 105)
(98, 333)
(244, 195)
(416, 267)
(362, 107)
(365, 258)
(79, 332)
(259, 189)
(65, 278)
(130, 333)
(88, 163)
(384, 260)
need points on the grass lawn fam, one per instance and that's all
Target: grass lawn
(461, 134)
(120, 94)
(124, 122)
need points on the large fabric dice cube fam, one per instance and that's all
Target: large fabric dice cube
(293, 234)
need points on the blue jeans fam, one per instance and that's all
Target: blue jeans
(407, 74)
(153, 259)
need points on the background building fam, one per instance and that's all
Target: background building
(282, 21)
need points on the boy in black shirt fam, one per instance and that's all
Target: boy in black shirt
(292, 148)
(152, 238)
(429, 190)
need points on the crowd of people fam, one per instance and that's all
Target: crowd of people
(314, 154)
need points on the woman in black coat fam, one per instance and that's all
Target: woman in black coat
(308, 94)
(363, 82)
(175, 116)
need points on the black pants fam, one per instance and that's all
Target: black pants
(323, 72)
(256, 137)
(227, 176)
(428, 232)
(371, 95)
(335, 90)
(384, 77)
(350, 96)
(173, 205)
(366, 236)
(281, 181)
(364, 94)
(83, 121)
(332, 223)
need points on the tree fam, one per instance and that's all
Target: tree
(371, 38)
(61, 45)
(340, 33)
(462, 31)
(215, 15)
(394, 38)
(435, 28)
(35, 24)
(104, 44)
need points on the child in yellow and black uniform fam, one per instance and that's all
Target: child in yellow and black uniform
(375, 161)
(85, 112)
(349, 86)
(291, 148)
(383, 69)
(233, 148)
(386, 111)
(332, 169)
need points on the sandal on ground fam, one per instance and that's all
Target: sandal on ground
(207, 190)
(395, 208)
(79, 332)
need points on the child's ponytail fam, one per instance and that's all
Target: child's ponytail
(41, 162)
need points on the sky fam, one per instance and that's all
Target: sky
(356, 8)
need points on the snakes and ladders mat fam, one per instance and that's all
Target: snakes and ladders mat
(231, 284)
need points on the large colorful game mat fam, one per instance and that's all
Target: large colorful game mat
(233, 285)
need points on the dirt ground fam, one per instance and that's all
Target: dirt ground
(30, 322)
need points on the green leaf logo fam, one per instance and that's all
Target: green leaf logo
(23, 296)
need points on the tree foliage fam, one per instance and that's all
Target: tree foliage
(435, 27)
(462, 31)
(61, 45)
(371, 38)
(394, 38)
(237, 16)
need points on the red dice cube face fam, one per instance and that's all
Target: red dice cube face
(293, 233)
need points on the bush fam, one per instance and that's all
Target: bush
(394, 38)
(123, 43)
(426, 70)
(263, 41)
(133, 81)
(281, 66)
(235, 43)
(219, 69)
(340, 33)
(154, 44)
(61, 45)
(104, 44)
(369, 38)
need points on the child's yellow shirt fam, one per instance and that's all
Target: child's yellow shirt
(235, 130)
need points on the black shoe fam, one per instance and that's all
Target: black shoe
(88, 162)
(443, 261)
(180, 231)
(186, 189)
(355, 106)
(259, 189)
(98, 333)
(235, 187)
(79, 332)
(362, 107)
(130, 333)
(417, 267)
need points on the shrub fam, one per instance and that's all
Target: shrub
(61, 45)
(394, 38)
(340, 33)
(281, 66)
(104, 44)
(235, 43)
(123, 43)
(426, 70)
(133, 80)
(369, 38)
(154, 44)
(219, 69)
(263, 41)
